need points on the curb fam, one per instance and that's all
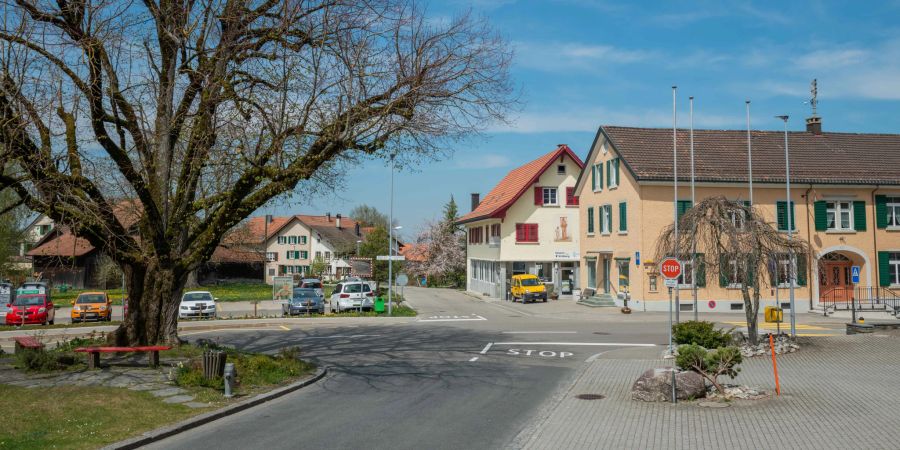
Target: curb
(196, 421)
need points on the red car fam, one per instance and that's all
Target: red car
(38, 309)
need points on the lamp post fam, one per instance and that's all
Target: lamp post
(792, 272)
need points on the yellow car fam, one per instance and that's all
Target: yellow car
(92, 306)
(526, 288)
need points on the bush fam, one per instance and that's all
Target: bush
(709, 363)
(700, 333)
(38, 361)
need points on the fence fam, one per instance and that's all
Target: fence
(862, 298)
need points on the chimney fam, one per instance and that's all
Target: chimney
(337, 222)
(476, 199)
(328, 217)
(814, 125)
(356, 229)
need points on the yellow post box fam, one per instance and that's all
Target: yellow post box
(773, 314)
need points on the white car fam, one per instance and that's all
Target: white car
(197, 304)
(354, 294)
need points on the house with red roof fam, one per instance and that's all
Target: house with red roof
(527, 224)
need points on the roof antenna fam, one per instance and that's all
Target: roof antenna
(814, 94)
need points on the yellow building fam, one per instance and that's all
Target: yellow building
(845, 194)
(527, 224)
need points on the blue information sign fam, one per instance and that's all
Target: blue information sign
(854, 274)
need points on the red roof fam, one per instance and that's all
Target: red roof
(515, 183)
(256, 225)
(66, 244)
(414, 252)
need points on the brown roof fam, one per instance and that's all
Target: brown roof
(514, 184)
(721, 155)
(225, 254)
(65, 244)
(255, 226)
(415, 252)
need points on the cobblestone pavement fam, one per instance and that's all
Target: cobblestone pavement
(125, 372)
(837, 392)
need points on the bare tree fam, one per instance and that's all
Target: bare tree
(730, 240)
(192, 114)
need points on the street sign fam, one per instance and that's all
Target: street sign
(637, 258)
(854, 274)
(390, 258)
(402, 279)
(712, 304)
(671, 282)
(670, 268)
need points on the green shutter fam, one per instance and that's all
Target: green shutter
(884, 269)
(859, 215)
(617, 171)
(590, 212)
(821, 210)
(683, 206)
(593, 177)
(700, 273)
(600, 176)
(623, 214)
(781, 215)
(881, 213)
(801, 270)
(723, 271)
(609, 173)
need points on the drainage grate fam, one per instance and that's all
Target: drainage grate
(590, 396)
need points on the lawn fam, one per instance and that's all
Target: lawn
(80, 417)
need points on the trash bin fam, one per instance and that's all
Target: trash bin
(379, 304)
(773, 314)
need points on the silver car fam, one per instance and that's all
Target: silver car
(350, 295)
(197, 304)
(304, 301)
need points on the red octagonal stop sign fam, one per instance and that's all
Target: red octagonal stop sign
(670, 268)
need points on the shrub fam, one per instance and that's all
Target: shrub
(700, 333)
(38, 361)
(709, 363)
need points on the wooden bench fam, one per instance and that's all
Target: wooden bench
(93, 353)
(27, 343)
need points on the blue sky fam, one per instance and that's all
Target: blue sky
(582, 63)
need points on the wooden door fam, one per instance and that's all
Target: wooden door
(834, 282)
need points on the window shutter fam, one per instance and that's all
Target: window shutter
(590, 222)
(599, 168)
(881, 214)
(884, 269)
(781, 213)
(751, 271)
(594, 177)
(570, 196)
(700, 273)
(520, 232)
(623, 216)
(801, 270)
(724, 267)
(821, 210)
(683, 206)
(539, 196)
(617, 171)
(793, 217)
(859, 215)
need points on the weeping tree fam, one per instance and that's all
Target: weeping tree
(151, 128)
(732, 241)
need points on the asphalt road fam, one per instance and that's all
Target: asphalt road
(465, 374)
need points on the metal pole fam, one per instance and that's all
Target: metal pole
(675, 178)
(693, 241)
(672, 349)
(791, 263)
(749, 155)
(391, 242)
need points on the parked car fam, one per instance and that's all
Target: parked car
(313, 283)
(92, 306)
(527, 288)
(36, 308)
(197, 304)
(352, 295)
(304, 301)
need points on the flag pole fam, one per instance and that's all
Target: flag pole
(749, 155)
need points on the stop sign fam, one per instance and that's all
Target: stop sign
(670, 268)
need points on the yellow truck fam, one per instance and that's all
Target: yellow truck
(527, 288)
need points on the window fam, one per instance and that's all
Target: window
(612, 172)
(839, 215)
(303, 240)
(597, 177)
(683, 206)
(894, 268)
(893, 212)
(476, 235)
(782, 216)
(606, 219)
(282, 240)
(561, 169)
(271, 256)
(590, 222)
(736, 215)
(686, 279)
(327, 256)
(785, 270)
(732, 273)
(653, 283)
(318, 255)
(526, 232)
(550, 196)
(571, 198)
(495, 230)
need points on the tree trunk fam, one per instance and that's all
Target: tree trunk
(192, 281)
(154, 294)
(751, 311)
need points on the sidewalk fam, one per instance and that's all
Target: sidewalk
(837, 392)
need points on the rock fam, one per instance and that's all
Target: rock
(655, 385)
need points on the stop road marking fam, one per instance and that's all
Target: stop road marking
(542, 353)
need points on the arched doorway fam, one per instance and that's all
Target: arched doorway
(834, 278)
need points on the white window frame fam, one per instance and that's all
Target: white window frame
(560, 169)
(606, 219)
(835, 209)
(598, 176)
(733, 267)
(687, 268)
(614, 173)
(894, 265)
(784, 264)
(738, 215)
(548, 193)
(893, 210)
(271, 256)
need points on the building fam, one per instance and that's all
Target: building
(527, 224)
(845, 197)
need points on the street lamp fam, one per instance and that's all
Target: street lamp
(792, 271)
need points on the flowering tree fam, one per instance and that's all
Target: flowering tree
(440, 253)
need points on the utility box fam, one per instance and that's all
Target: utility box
(773, 314)
(379, 304)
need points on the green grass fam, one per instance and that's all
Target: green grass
(80, 417)
(59, 325)
(231, 292)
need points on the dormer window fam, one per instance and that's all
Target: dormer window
(561, 169)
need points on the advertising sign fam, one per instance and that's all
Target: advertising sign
(282, 289)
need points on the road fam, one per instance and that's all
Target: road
(465, 374)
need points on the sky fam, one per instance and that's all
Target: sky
(582, 63)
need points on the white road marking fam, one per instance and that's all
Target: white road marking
(599, 344)
(594, 357)
(474, 358)
(486, 348)
(451, 318)
(352, 336)
(538, 332)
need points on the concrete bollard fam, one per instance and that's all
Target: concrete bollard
(229, 377)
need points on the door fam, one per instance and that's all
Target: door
(606, 275)
(834, 282)
(567, 277)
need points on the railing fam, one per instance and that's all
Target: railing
(862, 298)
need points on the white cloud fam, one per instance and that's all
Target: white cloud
(833, 59)
(554, 56)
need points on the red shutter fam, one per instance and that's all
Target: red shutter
(520, 232)
(533, 232)
(539, 196)
(571, 198)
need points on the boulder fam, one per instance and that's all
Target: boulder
(655, 385)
